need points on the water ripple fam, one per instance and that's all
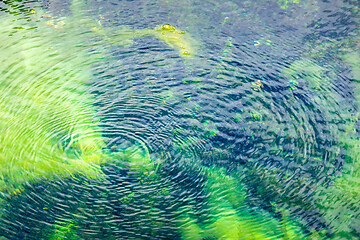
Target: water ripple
(106, 132)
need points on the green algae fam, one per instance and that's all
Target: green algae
(76, 144)
(332, 200)
(339, 202)
(284, 4)
(47, 118)
(44, 105)
(64, 229)
(137, 159)
(182, 41)
(230, 217)
(308, 71)
(177, 39)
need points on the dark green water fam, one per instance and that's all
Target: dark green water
(245, 126)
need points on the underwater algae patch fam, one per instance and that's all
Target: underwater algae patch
(48, 126)
(340, 201)
(46, 114)
(230, 217)
(46, 119)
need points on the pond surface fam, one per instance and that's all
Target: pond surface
(179, 119)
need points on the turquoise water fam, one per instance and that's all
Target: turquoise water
(179, 120)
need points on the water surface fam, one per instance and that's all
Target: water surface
(241, 122)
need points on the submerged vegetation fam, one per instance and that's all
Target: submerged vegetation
(48, 70)
(47, 121)
(292, 175)
(48, 127)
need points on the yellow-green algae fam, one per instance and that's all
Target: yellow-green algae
(308, 71)
(284, 4)
(229, 216)
(339, 202)
(47, 122)
(63, 229)
(336, 202)
(175, 38)
(180, 40)
(46, 115)
(48, 127)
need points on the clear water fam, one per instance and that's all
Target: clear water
(239, 123)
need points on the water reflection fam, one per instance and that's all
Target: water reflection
(240, 123)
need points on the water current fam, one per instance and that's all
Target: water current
(169, 119)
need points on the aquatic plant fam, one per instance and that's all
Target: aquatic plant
(47, 123)
(50, 68)
(284, 4)
(229, 216)
(308, 71)
(175, 38)
(47, 118)
(336, 200)
(63, 229)
(339, 201)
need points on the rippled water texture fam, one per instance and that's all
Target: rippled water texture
(168, 119)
